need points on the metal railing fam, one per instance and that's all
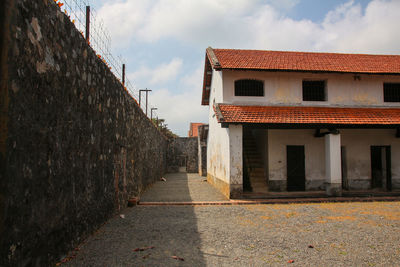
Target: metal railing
(86, 21)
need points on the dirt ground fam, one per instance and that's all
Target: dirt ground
(327, 234)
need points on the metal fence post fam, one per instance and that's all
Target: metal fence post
(123, 74)
(87, 23)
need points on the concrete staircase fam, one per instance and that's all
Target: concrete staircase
(254, 164)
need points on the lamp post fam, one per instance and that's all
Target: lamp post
(151, 113)
(140, 97)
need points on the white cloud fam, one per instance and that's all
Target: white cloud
(179, 110)
(183, 106)
(347, 29)
(256, 24)
(194, 79)
(283, 4)
(162, 73)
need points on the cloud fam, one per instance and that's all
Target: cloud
(283, 4)
(348, 29)
(179, 110)
(161, 74)
(181, 107)
(251, 24)
(256, 24)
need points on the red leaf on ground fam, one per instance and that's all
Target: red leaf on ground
(310, 246)
(178, 258)
(290, 261)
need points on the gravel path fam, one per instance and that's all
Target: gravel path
(182, 187)
(328, 234)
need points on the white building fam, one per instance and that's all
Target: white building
(293, 121)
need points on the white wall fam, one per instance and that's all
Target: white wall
(314, 149)
(218, 138)
(285, 88)
(358, 143)
(236, 153)
(358, 153)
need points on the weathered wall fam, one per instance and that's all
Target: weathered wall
(236, 160)
(314, 149)
(218, 164)
(357, 143)
(358, 153)
(286, 88)
(74, 145)
(183, 152)
(202, 147)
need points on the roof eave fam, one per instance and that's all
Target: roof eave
(226, 124)
(310, 71)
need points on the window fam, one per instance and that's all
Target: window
(249, 87)
(391, 92)
(314, 91)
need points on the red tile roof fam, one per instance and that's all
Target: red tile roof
(308, 115)
(194, 130)
(303, 61)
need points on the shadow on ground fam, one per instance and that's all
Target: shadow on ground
(171, 230)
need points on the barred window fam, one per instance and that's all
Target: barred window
(248, 87)
(391, 92)
(314, 91)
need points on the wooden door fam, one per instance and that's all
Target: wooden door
(381, 169)
(296, 176)
(376, 167)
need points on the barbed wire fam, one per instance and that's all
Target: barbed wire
(99, 40)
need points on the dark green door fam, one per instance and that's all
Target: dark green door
(376, 167)
(296, 176)
(381, 168)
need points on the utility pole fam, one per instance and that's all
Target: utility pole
(151, 113)
(140, 97)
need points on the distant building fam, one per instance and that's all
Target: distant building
(298, 121)
(194, 131)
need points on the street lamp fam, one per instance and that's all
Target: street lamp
(151, 113)
(140, 97)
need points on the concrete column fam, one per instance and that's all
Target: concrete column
(333, 165)
(236, 160)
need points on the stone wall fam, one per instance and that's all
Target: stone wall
(74, 145)
(183, 152)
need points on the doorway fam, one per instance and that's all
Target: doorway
(296, 176)
(381, 169)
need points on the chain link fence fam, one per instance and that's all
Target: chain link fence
(99, 39)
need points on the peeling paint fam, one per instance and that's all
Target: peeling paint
(364, 98)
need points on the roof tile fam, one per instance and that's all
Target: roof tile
(307, 61)
(309, 115)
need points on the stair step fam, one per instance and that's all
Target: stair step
(259, 180)
(255, 168)
(256, 175)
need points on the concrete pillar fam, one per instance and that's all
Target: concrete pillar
(236, 160)
(333, 165)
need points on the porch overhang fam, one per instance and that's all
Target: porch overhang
(298, 117)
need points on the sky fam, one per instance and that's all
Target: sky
(163, 42)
